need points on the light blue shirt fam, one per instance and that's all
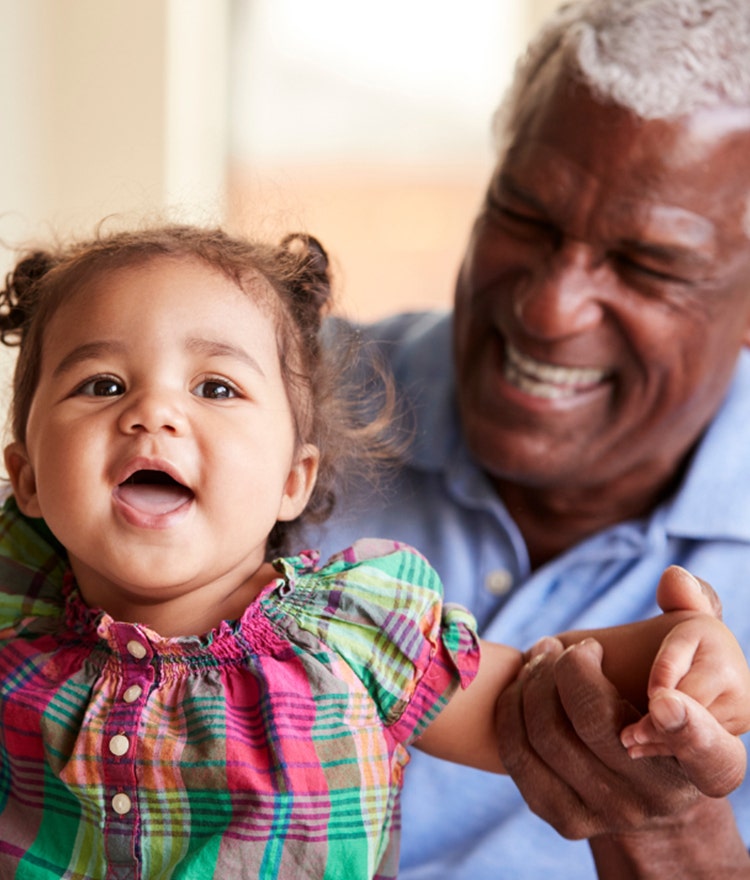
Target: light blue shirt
(461, 824)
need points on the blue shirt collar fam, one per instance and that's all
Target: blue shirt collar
(713, 500)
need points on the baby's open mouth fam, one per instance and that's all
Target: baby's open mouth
(153, 492)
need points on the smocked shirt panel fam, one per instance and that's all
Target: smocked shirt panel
(272, 747)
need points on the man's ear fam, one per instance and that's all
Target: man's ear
(300, 483)
(22, 478)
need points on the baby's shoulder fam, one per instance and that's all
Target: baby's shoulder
(376, 606)
(375, 599)
(372, 571)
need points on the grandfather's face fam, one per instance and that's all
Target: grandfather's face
(605, 293)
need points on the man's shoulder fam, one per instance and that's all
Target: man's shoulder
(409, 331)
(416, 348)
(399, 339)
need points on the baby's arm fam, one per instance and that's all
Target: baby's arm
(465, 731)
(691, 652)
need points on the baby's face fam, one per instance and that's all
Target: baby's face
(160, 444)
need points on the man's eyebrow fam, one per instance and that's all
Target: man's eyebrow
(217, 348)
(666, 253)
(509, 187)
(87, 351)
(671, 230)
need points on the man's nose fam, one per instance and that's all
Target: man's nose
(562, 295)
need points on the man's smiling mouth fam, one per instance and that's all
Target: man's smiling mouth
(548, 380)
(153, 492)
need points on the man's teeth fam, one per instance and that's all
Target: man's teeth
(547, 380)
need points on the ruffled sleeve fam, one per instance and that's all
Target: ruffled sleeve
(379, 606)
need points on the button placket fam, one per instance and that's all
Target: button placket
(119, 744)
(127, 682)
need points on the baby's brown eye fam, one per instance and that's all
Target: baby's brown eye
(214, 389)
(101, 386)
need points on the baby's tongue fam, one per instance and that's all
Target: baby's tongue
(154, 498)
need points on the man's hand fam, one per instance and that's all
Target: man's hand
(645, 818)
(562, 722)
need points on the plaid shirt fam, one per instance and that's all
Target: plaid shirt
(273, 746)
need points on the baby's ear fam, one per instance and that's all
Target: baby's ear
(300, 483)
(22, 478)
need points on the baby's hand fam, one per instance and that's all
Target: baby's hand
(698, 660)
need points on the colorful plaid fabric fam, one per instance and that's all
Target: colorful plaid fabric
(271, 748)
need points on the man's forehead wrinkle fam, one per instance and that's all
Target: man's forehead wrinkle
(620, 212)
(709, 124)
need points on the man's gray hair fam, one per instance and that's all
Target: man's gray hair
(659, 58)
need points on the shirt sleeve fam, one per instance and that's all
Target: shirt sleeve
(379, 606)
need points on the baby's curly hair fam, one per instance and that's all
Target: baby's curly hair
(328, 408)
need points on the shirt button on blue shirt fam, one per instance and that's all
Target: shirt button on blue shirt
(499, 582)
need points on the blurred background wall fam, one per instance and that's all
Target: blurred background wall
(110, 106)
(366, 124)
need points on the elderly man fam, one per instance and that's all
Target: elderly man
(591, 427)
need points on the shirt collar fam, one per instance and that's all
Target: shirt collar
(713, 500)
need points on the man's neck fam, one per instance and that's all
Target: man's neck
(553, 520)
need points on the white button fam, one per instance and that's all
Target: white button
(121, 804)
(136, 649)
(499, 582)
(119, 745)
(132, 693)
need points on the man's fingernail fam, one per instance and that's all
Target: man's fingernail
(528, 668)
(544, 646)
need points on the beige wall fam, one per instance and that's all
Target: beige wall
(395, 220)
(113, 106)
(538, 10)
(121, 106)
(109, 106)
